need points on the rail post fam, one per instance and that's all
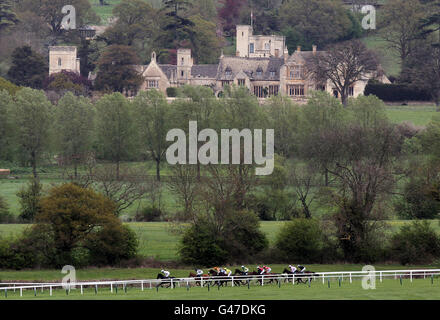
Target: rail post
(82, 292)
(50, 291)
(323, 280)
(111, 287)
(96, 289)
(172, 286)
(142, 285)
(339, 282)
(293, 280)
(410, 276)
(400, 279)
(380, 276)
(232, 279)
(6, 293)
(328, 280)
(35, 292)
(21, 292)
(351, 280)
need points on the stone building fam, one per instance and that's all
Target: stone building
(63, 58)
(262, 64)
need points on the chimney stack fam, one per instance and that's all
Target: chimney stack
(298, 48)
(314, 49)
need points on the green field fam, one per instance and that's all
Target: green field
(389, 289)
(156, 240)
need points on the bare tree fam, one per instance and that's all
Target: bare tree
(343, 64)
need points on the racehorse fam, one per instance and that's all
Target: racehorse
(164, 280)
(269, 277)
(198, 279)
(214, 273)
(300, 277)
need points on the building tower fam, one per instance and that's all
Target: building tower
(63, 58)
(184, 65)
(242, 40)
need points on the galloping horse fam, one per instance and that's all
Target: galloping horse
(164, 280)
(300, 277)
(214, 273)
(199, 279)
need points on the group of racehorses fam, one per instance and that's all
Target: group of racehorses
(214, 277)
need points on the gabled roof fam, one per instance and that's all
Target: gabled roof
(254, 68)
(204, 71)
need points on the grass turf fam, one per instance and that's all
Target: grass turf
(389, 289)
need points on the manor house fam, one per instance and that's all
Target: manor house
(261, 63)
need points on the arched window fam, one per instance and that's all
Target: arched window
(59, 62)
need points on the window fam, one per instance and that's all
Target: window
(241, 82)
(259, 71)
(182, 73)
(225, 83)
(351, 91)
(273, 90)
(183, 61)
(153, 84)
(267, 46)
(59, 62)
(272, 73)
(260, 92)
(295, 90)
(296, 72)
(228, 71)
(320, 87)
(251, 48)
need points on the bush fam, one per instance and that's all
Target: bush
(200, 247)
(418, 201)
(5, 215)
(415, 243)
(396, 92)
(29, 198)
(172, 92)
(8, 86)
(148, 214)
(112, 244)
(301, 240)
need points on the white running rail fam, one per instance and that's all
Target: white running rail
(204, 281)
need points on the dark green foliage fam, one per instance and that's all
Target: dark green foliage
(301, 241)
(148, 214)
(419, 200)
(5, 215)
(8, 18)
(29, 198)
(172, 92)
(199, 246)
(416, 243)
(28, 68)
(396, 92)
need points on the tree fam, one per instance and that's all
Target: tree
(343, 65)
(67, 81)
(230, 13)
(28, 68)
(50, 11)
(318, 22)
(32, 119)
(152, 120)
(74, 128)
(301, 240)
(401, 25)
(76, 216)
(422, 69)
(114, 126)
(134, 21)
(6, 128)
(8, 17)
(206, 45)
(8, 86)
(30, 198)
(116, 71)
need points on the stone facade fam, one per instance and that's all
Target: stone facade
(262, 64)
(63, 58)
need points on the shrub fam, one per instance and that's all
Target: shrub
(148, 214)
(68, 81)
(301, 240)
(112, 244)
(5, 215)
(419, 201)
(200, 247)
(172, 92)
(396, 92)
(29, 198)
(8, 86)
(415, 243)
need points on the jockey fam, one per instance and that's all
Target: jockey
(245, 270)
(227, 271)
(199, 272)
(301, 268)
(261, 270)
(267, 269)
(217, 269)
(165, 273)
(222, 271)
(292, 268)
